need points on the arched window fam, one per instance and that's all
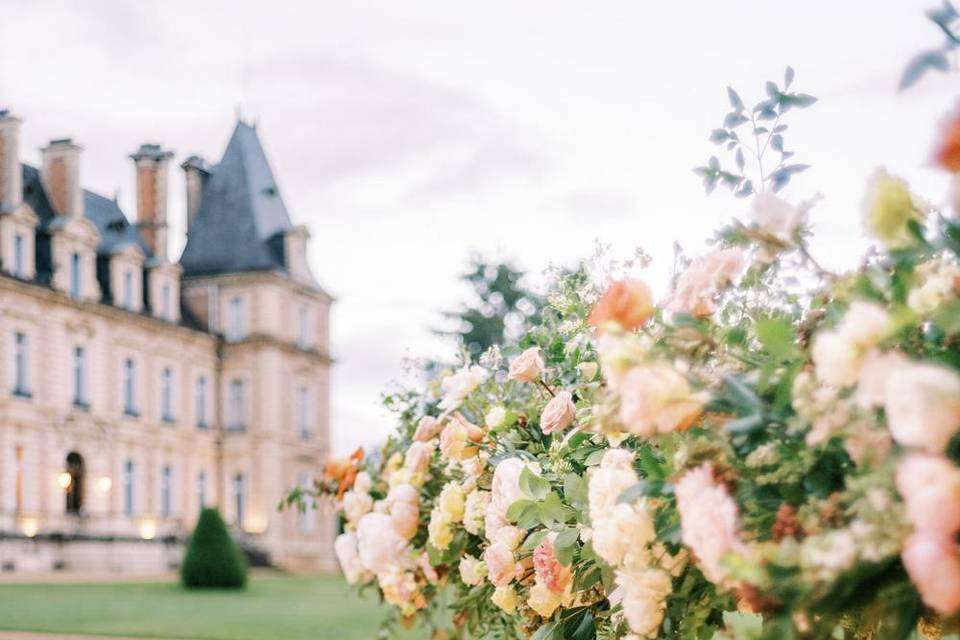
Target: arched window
(74, 489)
(201, 490)
(129, 471)
(166, 491)
(239, 498)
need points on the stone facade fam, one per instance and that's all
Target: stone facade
(133, 389)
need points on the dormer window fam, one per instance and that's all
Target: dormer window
(76, 275)
(19, 257)
(127, 298)
(303, 326)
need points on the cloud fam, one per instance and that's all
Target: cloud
(592, 203)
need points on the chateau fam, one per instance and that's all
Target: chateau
(135, 389)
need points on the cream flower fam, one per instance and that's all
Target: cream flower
(403, 504)
(501, 564)
(644, 599)
(624, 529)
(363, 483)
(345, 547)
(838, 354)
(505, 598)
(704, 278)
(427, 429)
(400, 589)
(874, 373)
(378, 543)
(708, 520)
(933, 562)
(495, 418)
(588, 370)
(923, 406)
(939, 282)
(654, 398)
(775, 216)
(356, 504)
(527, 367)
(930, 486)
(504, 491)
(606, 482)
(888, 208)
(559, 413)
(472, 571)
(459, 385)
(474, 511)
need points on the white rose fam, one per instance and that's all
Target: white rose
(379, 545)
(923, 406)
(776, 216)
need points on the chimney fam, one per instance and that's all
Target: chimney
(11, 175)
(196, 171)
(151, 162)
(61, 176)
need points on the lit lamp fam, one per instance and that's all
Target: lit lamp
(104, 483)
(148, 529)
(29, 526)
(256, 523)
(64, 479)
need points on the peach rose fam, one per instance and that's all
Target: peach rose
(501, 564)
(527, 367)
(654, 398)
(703, 279)
(455, 437)
(403, 503)
(930, 486)
(628, 303)
(418, 457)
(504, 491)
(472, 571)
(947, 151)
(427, 428)
(933, 562)
(559, 413)
(547, 568)
(379, 545)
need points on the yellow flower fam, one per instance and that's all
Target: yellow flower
(451, 502)
(439, 529)
(543, 600)
(888, 208)
(505, 598)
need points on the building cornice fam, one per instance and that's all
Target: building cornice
(257, 277)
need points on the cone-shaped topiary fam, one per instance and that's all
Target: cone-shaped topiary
(213, 559)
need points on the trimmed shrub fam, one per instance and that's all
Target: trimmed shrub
(213, 559)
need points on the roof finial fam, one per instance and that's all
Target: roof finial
(238, 111)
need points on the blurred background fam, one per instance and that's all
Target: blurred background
(410, 137)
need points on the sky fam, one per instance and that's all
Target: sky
(411, 135)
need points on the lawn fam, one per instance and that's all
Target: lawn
(271, 608)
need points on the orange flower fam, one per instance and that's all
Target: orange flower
(343, 471)
(626, 302)
(947, 152)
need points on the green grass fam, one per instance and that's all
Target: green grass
(272, 607)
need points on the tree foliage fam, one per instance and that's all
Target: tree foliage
(213, 559)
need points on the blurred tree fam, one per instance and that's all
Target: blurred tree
(498, 313)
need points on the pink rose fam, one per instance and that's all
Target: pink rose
(379, 545)
(501, 565)
(427, 428)
(930, 486)
(703, 279)
(504, 491)
(708, 520)
(559, 413)
(933, 562)
(547, 568)
(403, 503)
(923, 406)
(528, 366)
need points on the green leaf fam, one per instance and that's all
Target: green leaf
(553, 511)
(777, 337)
(748, 424)
(516, 510)
(581, 627)
(788, 77)
(565, 545)
(533, 540)
(633, 493)
(742, 396)
(575, 491)
(734, 97)
(549, 631)
(532, 484)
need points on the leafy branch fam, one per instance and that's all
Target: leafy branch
(947, 20)
(765, 135)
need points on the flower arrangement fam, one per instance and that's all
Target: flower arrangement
(769, 452)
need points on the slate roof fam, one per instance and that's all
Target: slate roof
(241, 220)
